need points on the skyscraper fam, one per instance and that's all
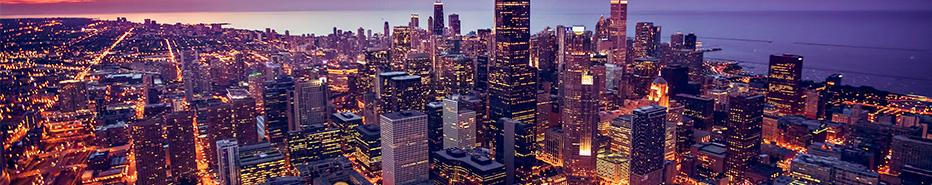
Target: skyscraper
(368, 150)
(151, 167)
(313, 143)
(619, 18)
(647, 151)
(784, 92)
(580, 87)
(455, 28)
(310, 102)
(179, 127)
(261, 162)
(647, 40)
(404, 151)
(403, 93)
(512, 81)
(415, 21)
(228, 162)
(743, 133)
(459, 125)
(402, 38)
(459, 166)
(438, 18)
(516, 150)
(279, 115)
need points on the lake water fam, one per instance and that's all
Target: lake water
(887, 50)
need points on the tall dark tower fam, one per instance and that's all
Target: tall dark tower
(647, 137)
(278, 106)
(619, 21)
(438, 18)
(512, 81)
(743, 134)
(784, 92)
(455, 28)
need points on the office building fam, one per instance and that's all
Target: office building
(512, 81)
(647, 138)
(278, 104)
(785, 92)
(438, 24)
(228, 162)
(459, 125)
(619, 21)
(646, 41)
(260, 162)
(468, 167)
(368, 150)
(402, 40)
(310, 102)
(314, 143)
(580, 108)
(405, 150)
(743, 133)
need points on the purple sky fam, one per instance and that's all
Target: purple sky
(19, 7)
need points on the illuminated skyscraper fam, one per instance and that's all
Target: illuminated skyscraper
(459, 125)
(784, 92)
(279, 115)
(261, 162)
(405, 150)
(517, 150)
(580, 108)
(647, 138)
(743, 133)
(402, 38)
(512, 81)
(455, 28)
(619, 18)
(148, 142)
(459, 166)
(368, 150)
(438, 18)
(313, 143)
(179, 127)
(228, 159)
(310, 102)
(647, 40)
(403, 93)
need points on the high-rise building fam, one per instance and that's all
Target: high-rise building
(368, 150)
(743, 133)
(148, 142)
(260, 162)
(346, 122)
(457, 75)
(420, 64)
(403, 93)
(242, 114)
(677, 77)
(310, 102)
(619, 17)
(313, 143)
(415, 21)
(512, 81)
(228, 162)
(438, 18)
(690, 41)
(580, 95)
(459, 125)
(677, 40)
(516, 150)
(405, 150)
(698, 109)
(612, 168)
(513, 85)
(278, 104)
(455, 27)
(785, 92)
(179, 127)
(647, 138)
(910, 152)
(459, 166)
(620, 135)
(647, 40)
(402, 40)
(435, 128)
(384, 91)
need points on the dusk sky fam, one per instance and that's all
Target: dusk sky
(19, 7)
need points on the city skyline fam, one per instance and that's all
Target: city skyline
(774, 94)
(27, 7)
